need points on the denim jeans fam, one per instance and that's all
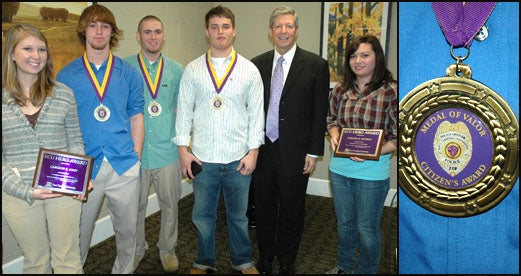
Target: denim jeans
(358, 207)
(235, 186)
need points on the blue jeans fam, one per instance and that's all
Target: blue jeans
(235, 186)
(358, 207)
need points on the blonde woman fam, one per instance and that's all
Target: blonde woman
(37, 112)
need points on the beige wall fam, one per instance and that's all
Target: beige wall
(184, 24)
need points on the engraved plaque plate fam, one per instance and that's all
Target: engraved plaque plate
(363, 143)
(62, 172)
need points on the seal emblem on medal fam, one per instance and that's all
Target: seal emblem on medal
(217, 103)
(102, 113)
(452, 147)
(154, 108)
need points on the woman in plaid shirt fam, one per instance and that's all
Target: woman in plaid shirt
(367, 98)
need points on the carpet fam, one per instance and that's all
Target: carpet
(317, 252)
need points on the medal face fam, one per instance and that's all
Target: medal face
(154, 108)
(102, 113)
(458, 153)
(217, 103)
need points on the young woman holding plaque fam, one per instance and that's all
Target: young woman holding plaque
(366, 99)
(37, 112)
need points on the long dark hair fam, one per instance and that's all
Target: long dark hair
(381, 76)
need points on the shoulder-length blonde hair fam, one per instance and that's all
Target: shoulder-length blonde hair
(43, 86)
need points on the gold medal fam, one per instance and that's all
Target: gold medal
(459, 153)
(217, 103)
(154, 108)
(102, 113)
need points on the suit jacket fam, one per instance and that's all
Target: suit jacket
(303, 107)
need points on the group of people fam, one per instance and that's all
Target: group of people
(145, 119)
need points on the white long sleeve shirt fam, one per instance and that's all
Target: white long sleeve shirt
(224, 134)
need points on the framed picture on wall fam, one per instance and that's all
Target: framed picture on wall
(57, 21)
(342, 22)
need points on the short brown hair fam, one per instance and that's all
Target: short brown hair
(146, 18)
(220, 11)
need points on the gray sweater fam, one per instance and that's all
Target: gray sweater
(57, 128)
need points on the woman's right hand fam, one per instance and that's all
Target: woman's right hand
(44, 194)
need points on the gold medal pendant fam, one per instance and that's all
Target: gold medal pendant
(101, 113)
(217, 103)
(154, 108)
(459, 151)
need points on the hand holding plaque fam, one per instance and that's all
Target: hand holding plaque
(358, 142)
(62, 172)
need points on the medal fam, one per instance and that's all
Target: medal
(217, 103)
(101, 113)
(154, 108)
(458, 153)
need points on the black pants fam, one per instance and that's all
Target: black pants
(250, 212)
(279, 207)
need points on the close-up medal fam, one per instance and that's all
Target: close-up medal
(459, 151)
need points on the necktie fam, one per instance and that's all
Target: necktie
(277, 83)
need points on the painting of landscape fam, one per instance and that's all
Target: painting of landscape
(342, 22)
(57, 20)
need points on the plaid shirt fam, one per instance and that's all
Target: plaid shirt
(369, 109)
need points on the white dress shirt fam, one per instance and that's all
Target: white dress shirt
(227, 134)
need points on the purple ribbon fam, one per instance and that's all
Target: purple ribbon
(461, 21)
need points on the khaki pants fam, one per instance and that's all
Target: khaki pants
(47, 232)
(122, 193)
(167, 185)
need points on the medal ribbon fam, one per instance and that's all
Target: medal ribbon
(153, 87)
(461, 21)
(100, 90)
(219, 84)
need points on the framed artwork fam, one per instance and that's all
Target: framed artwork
(342, 22)
(58, 22)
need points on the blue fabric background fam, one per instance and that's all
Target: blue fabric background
(488, 242)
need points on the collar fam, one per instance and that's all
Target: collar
(288, 56)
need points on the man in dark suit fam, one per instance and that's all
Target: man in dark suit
(294, 140)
